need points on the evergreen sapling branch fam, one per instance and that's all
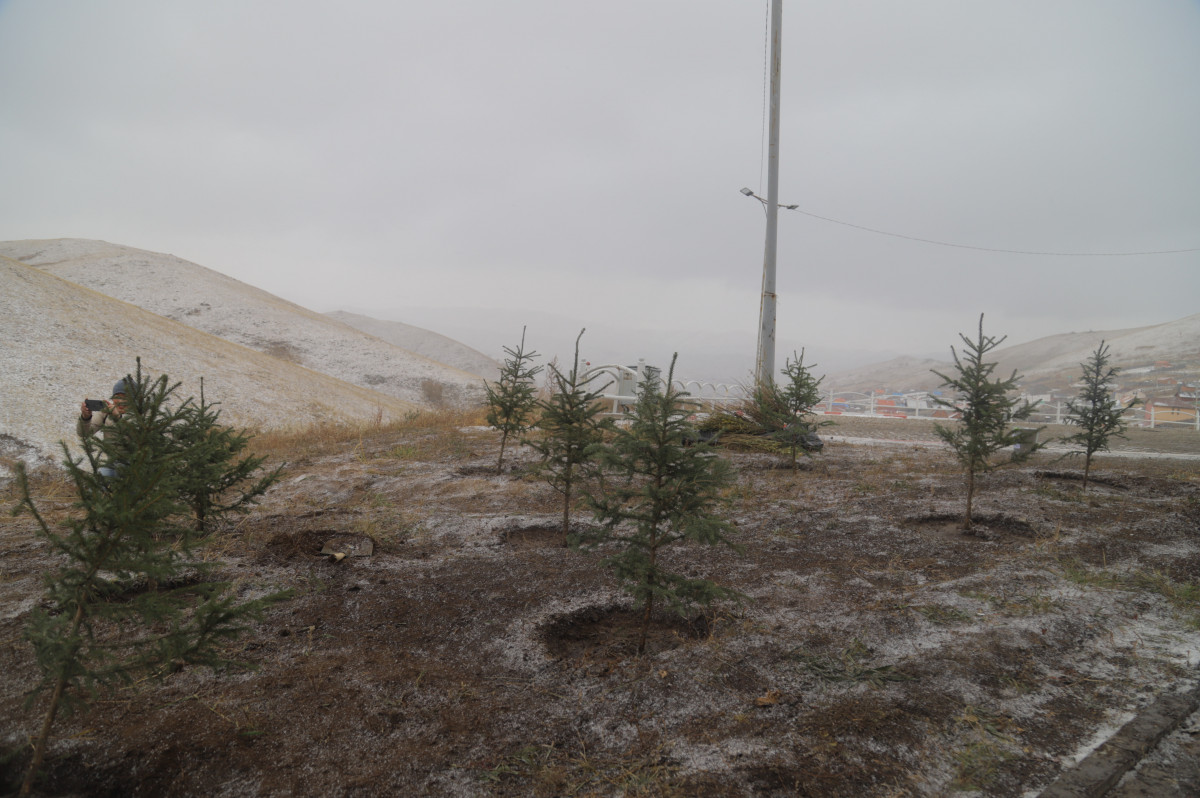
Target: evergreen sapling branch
(1095, 411)
(987, 411)
(665, 493)
(570, 424)
(512, 398)
(129, 600)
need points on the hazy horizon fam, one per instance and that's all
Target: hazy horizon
(1034, 162)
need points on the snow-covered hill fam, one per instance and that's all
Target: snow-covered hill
(1050, 363)
(423, 342)
(222, 306)
(64, 342)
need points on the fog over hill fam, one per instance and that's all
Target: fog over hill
(76, 313)
(65, 342)
(423, 342)
(1050, 363)
(710, 350)
(206, 300)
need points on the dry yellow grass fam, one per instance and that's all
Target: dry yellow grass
(322, 439)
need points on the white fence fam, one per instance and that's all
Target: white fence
(920, 405)
(618, 384)
(1150, 416)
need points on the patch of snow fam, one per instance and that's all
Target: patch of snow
(206, 300)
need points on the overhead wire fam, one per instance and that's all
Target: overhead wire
(795, 209)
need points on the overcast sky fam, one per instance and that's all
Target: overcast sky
(585, 159)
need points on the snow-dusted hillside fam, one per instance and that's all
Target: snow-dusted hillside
(423, 342)
(1176, 342)
(207, 300)
(64, 342)
(1047, 363)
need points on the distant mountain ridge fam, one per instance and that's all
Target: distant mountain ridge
(1052, 363)
(423, 342)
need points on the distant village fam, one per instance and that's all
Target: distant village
(1166, 396)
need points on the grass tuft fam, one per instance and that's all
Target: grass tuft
(1184, 596)
(850, 665)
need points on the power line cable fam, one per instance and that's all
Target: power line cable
(990, 249)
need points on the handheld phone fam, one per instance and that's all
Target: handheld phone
(95, 404)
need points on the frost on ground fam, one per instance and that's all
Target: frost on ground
(879, 652)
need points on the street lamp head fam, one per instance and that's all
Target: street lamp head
(748, 192)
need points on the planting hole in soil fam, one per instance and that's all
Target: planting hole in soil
(290, 545)
(604, 637)
(535, 537)
(989, 526)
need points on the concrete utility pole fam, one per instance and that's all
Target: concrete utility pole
(764, 367)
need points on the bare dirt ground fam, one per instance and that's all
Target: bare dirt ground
(879, 652)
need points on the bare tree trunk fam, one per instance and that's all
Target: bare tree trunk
(500, 462)
(39, 745)
(566, 510)
(568, 484)
(967, 523)
(641, 649)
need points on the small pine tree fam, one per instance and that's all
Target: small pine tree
(570, 423)
(780, 412)
(666, 493)
(796, 398)
(126, 542)
(1097, 413)
(512, 399)
(802, 391)
(213, 481)
(987, 410)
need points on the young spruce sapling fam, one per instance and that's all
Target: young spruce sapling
(987, 411)
(665, 493)
(1096, 412)
(129, 600)
(513, 398)
(570, 423)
